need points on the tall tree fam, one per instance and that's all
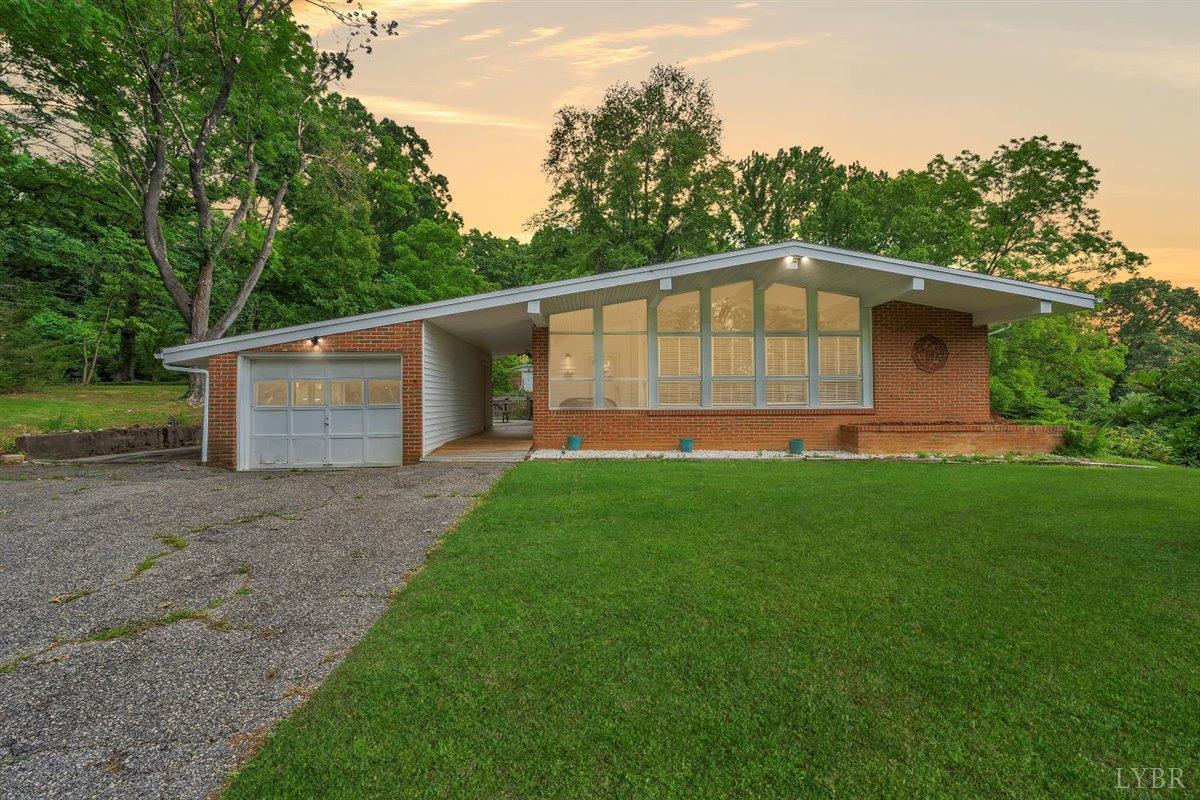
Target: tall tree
(202, 105)
(774, 195)
(640, 178)
(1157, 321)
(1035, 218)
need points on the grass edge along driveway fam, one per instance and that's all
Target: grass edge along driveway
(751, 629)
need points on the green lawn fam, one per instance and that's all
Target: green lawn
(761, 630)
(68, 408)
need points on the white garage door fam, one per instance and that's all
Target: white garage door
(313, 412)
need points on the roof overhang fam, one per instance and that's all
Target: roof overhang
(501, 322)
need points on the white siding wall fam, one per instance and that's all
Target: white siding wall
(452, 388)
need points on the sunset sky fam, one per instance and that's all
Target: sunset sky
(888, 85)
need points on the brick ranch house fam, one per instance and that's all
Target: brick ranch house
(738, 351)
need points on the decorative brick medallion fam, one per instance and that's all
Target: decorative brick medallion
(930, 353)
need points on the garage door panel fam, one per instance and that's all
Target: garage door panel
(271, 422)
(308, 368)
(308, 422)
(270, 370)
(346, 451)
(348, 369)
(346, 421)
(383, 420)
(318, 418)
(384, 450)
(308, 450)
(380, 368)
(270, 451)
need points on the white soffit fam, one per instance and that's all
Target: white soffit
(500, 322)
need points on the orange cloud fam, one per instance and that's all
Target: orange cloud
(481, 35)
(599, 50)
(740, 50)
(537, 35)
(421, 111)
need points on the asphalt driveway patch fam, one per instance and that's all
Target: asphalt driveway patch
(159, 618)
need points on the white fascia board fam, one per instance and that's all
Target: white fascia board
(953, 275)
(198, 351)
(1011, 312)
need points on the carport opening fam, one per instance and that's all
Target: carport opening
(458, 419)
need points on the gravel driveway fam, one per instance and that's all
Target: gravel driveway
(156, 619)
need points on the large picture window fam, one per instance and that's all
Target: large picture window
(730, 346)
(678, 322)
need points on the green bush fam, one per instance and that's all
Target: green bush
(1138, 441)
(1083, 440)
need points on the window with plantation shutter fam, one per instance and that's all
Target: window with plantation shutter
(839, 355)
(678, 327)
(679, 356)
(732, 355)
(787, 393)
(787, 355)
(787, 371)
(679, 393)
(840, 392)
(736, 345)
(733, 393)
(839, 349)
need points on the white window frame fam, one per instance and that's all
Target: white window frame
(599, 332)
(760, 378)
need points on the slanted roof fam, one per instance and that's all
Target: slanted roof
(499, 322)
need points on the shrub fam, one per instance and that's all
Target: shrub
(1080, 439)
(1137, 441)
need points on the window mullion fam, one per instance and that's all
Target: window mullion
(652, 354)
(705, 347)
(760, 348)
(814, 353)
(598, 356)
(865, 367)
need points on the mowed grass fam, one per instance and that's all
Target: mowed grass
(85, 408)
(763, 630)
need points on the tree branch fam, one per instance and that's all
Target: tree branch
(264, 253)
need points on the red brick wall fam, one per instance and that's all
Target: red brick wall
(951, 439)
(403, 338)
(959, 392)
(903, 393)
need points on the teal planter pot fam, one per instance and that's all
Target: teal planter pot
(796, 446)
(687, 445)
(574, 442)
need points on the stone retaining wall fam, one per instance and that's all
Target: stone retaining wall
(86, 444)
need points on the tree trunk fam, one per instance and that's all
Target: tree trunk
(196, 389)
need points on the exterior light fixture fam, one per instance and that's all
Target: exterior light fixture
(790, 262)
(316, 341)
